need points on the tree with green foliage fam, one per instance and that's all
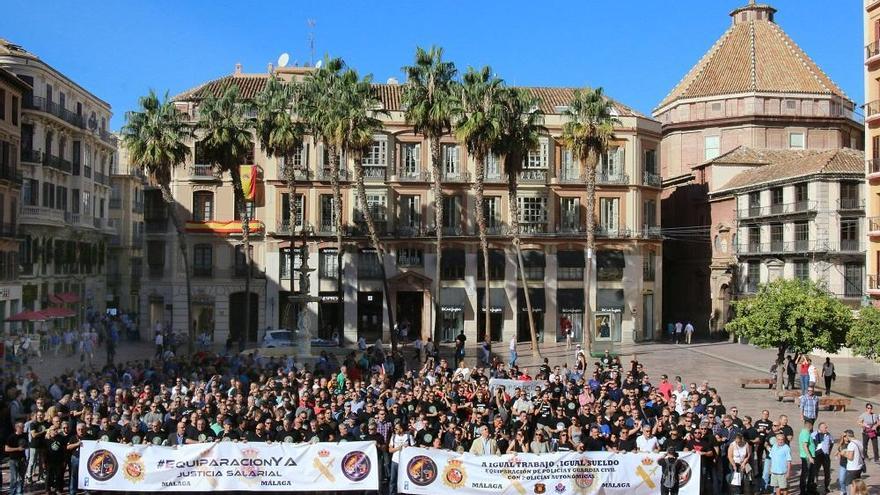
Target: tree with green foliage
(791, 315)
(863, 337)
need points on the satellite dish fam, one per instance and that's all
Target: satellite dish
(318, 64)
(283, 59)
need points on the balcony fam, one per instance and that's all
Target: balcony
(872, 111)
(495, 179)
(33, 157)
(799, 246)
(850, 246)
(653, 180)
(568, 176)
(798, 207)
(57, 163)
(11, 174)
(453, 231)
(360, 227)
(299, 173)
(41, 215)
(8, 229)
(873, 168)
(612, 179)
(107, 137)
(326, 174)
(282, 226)
(372, 174)
(42, 104)
(873, 285)
(850, 204)
(101, 178)
(201, 171)
(414, 175)
(115, 203)
(456, 177)
(410, 231)
(533, 176)
(872, 52)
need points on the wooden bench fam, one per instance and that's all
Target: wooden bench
(834, 403)
(793, 395)
(745, 382)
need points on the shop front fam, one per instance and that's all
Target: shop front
(328, 313)
(609, 313)
(571, 314)
(369, 310)
(538, 303)
(497, 302)
(452, 304)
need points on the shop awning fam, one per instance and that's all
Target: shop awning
(58, 312)
(570, 300)
(64, 298)
(452, 299)
(497, 300)
(28, 315)
(536, 298)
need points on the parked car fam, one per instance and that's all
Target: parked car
(278, 338)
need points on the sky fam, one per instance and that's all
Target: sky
(638, 50)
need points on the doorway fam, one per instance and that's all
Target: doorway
(236, 316)
(648, 318)
(370, 315)
(409, 312)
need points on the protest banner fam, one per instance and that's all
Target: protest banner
(510, 386)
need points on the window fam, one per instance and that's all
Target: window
(609, 209)
(852, 279)
(491, 166)
(450, 160)
(409, 257)
(452, 214)
(203, 206)
(203, 260)
(241, 264)
(2, 104)
(77, 157)
(491, 207)
(533, 264)
(849, 234)
(776, 200)
(376, 154)
(410, 214)
(570, 169)
(15, 110)
(796, 140)
(570, 265)
(790, 104)
(532, 214)
(537, 158)
(368, 266)
(650, 214)
(328, 213)
(754, 204)
(290, 263)
(801, 236)
(156, 257)
(801, 197)
(251, 210)
(612, 162)
(648, 266)
(76, 201)
(299, 158)
(712, 147)
(754, 240)
(285, 210)
(378, 205)
(753, 277)
(776, 238)
(569, 214)
(849, 196)
(496, 264)
(609, 265)
(651, 161)
(411, 159)
(802, 270)
(328, 263)
(452, 264)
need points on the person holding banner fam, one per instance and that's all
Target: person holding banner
(673, 468)
(15, 448)
(400, 440)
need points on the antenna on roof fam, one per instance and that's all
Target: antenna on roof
(283, 59)
(311, 23)
(318, 64)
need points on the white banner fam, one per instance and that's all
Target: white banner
(229, 466)
(430, 471)
(510, 386)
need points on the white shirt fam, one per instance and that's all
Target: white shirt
(678, 327)
(513, 344)
(649, 444)
(689, 328)
(398, 441)
(856, 463)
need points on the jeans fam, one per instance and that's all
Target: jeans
(513, 357)
(805, 382)
(16, 476)
(392, 482)
(841, 478)
(74, 475)
(765, 475)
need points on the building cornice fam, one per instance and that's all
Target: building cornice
(39, 64)
(769, 120)
(815, 177)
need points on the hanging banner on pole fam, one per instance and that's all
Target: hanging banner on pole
(432, 471)
(250, 174)
(226, 466)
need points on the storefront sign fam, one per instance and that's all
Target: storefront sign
(329, 299)
(451, 309)
(492, 309)
(227, 466)
(606, 309)
(429, 472)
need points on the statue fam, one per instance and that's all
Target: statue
(305, 324)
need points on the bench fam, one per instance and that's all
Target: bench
(834, 403)
(745, 382)
(793, 395)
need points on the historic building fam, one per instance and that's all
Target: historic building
(626, 290)
(125, 256)
(66, 156)
(754, 88)
(872, 143)
(793, 214)
(12, 89)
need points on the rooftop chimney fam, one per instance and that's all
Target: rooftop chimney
(753, 12)
(270, 68)
(237, 68)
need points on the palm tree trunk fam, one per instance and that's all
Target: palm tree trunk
(438, 227)
(246, 240)
(171, 204)
(332, 152)
(481, 229)
(516, 241)
(591, 163)
(290, 173)
(374, 240)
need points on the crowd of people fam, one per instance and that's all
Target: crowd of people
(375, 395)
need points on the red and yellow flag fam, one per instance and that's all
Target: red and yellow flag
(233, 227)
(250, 174)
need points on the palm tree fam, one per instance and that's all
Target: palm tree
(281, 136)
(358, 111)
(428, 98)
(227, 141)
(320, 111)
(478, 113)
(589, 129)
(521, 127)
(155, 138)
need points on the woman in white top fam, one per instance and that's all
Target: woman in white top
(400, 439)
(738, 455)
(812, 372)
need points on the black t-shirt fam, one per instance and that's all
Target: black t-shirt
(594, 444)
(133, 437)
(17, 441)
(203, 436)
(628, 445)
(677, 443)
(56, 447)
(289, 436)
(228, 436)
(155, 437)
(108, 435)
(37, 442)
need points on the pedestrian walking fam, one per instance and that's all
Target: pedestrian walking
(678, 329)
(513, 355)
(855, 458)
(688, 332)
(870, 423)
(828, 375)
